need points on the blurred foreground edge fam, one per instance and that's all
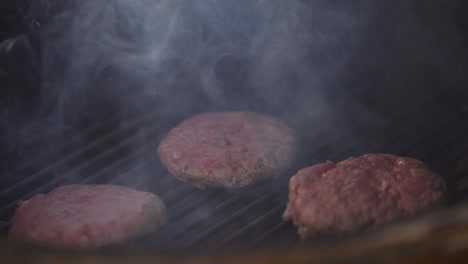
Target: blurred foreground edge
(438, 237)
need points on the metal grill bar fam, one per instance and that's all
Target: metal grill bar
(124, 173)
(183, 230)
(74, 158)
(184, 222)
(55, 178)
(224, 223)
(268, 233)
(72, 147)
(254, 225)
(217, 217)
(31, 159)
(448, 123)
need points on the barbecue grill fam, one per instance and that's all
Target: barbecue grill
(242, 225)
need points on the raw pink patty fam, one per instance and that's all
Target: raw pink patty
(359, 193)
(87, 216)
(227, 149)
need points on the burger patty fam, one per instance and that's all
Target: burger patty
(87, 216)
(360, 193)
(227, 149)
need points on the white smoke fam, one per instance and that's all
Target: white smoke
(183, 56)
(308, 62)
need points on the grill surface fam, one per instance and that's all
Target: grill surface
(216, 218)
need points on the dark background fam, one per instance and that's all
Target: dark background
(12, 19)
(373, 81)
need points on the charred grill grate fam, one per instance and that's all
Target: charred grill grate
(126, 155)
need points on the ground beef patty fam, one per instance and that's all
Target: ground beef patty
(227, 149)
(87, 216)
(360, 193)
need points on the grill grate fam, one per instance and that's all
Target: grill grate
(216, 218)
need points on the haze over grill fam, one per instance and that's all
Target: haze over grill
(350, 77)
(198, 55)
(327, 68)
(102, 59)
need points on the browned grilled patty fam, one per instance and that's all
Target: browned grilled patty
(227, 149)
(87, 216)
(360, 193)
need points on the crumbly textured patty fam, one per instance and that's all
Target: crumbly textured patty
(87, 216)
(227, 149)
(360, 193)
